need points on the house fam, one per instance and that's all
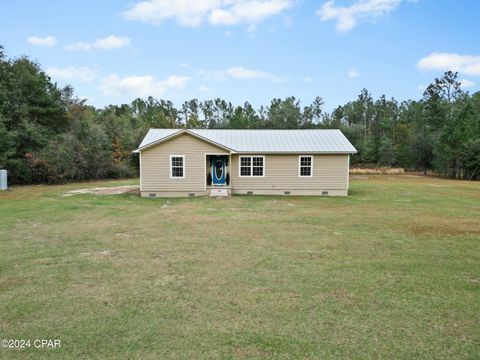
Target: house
(195, 162)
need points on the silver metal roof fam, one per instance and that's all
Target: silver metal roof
(263, 141)
(154, 135)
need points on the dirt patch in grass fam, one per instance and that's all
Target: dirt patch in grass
(105, 191)
(474, 280)
(461, 227)
(101, 253)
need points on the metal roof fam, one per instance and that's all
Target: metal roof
(154, 135)
(262, 141)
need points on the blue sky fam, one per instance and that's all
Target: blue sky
(113, 51)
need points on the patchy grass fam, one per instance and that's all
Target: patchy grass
(392, 271)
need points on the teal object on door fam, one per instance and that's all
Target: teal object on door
(218, 171)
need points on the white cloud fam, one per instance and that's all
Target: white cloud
(347, 17)
(141, 86)
(106, 43)
(249, 12)
(308, 79)
(352, 74)
(215, 12)
(184, 65)
(465, 83)
(47, 41)
(81, 74)
(188, 13)
(238, 72)
(243, 73)
(111, 42)
(465, 64)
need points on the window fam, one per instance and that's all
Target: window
(245, 166)
(257, 166)
(177, 166)
(252, 165)
(305, 166)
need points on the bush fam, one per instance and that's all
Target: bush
(18, 171)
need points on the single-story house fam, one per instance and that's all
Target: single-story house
(195, 162)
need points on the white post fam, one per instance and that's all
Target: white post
(3, 180)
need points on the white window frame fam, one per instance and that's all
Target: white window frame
(251, 166)
(300, 166)
(171, 167)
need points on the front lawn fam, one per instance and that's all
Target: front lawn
(392, 271)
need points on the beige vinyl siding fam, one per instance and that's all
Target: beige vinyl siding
(155, 169)
(330, 172)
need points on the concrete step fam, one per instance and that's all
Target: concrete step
(219, 192)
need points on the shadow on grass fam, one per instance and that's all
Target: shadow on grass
(357, 192)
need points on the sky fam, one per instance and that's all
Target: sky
(113, 51)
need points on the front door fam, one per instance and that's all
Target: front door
(218, 170)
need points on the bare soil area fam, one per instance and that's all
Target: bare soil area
(105, 191)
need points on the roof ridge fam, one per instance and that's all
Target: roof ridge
(207, 129)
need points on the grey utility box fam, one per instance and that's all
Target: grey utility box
(3, 180)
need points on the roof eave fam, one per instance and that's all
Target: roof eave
(153, 143)
(298, 152)
(178, 133)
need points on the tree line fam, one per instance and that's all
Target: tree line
(48, 135)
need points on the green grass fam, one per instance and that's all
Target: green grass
(390, 272)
